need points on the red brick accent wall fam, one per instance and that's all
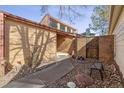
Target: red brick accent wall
(1, 36)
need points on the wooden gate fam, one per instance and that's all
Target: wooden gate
(92, 47)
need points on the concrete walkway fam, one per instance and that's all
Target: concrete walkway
(41, 78)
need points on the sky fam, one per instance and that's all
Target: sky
(33, 13)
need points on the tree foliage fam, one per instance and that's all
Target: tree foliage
(100, 20)
(68, 12)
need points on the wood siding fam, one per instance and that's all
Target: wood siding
(119, 41)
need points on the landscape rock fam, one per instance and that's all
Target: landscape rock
(84, 80)
(111, 77)
(71, 84)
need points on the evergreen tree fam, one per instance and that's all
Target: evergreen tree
(100, 20)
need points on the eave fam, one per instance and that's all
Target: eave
(114, 16)
(35, 24)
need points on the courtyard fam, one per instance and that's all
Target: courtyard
(52, 54)
(58, 75)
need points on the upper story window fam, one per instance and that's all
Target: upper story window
(68, 29)
(73, 31)
(53, 24)
(62, 27)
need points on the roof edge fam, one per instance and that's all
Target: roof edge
(57, 21)
(30, 22)
(113, 9)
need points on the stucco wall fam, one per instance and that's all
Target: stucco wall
(96, 47)
(92, 48)
(24, 41)
(45, 20)
(106, 48)
(81, 46)
(119, 42)
(1, 36)
(1, 44)
(65, 44)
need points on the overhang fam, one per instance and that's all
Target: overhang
(35, 24)
(115, 11)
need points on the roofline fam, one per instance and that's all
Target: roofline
(32, 23)
(58, 21)
(44, 17)
(112, 10)
(110, 18)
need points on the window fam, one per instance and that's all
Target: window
(53, 24)
(74, 31)
(68, 30)
(62, 27)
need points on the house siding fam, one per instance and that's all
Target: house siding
(119, 42)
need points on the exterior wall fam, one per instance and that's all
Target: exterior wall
(81, 46)
(96, 47)
(25, 41)
(114, 15)
(106, 48)
(45, 20)
(92, 47)
(65, 44)
(119, 42)
(2, 71)
(1, 36)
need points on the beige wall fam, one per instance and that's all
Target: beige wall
(81, 46)
(119, 42)
(65, 44)
(1, 45)
(45, 20)
(96, 47)
(23, 40)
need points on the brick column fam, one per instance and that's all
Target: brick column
(1, 44)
